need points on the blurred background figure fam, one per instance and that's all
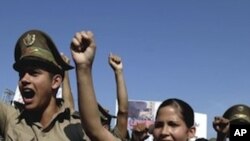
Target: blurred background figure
(141, 131)
(237, 114)
(66, 88)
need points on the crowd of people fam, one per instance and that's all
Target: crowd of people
(43, 69)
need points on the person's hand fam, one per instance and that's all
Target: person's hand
(115, 62)
(83, 48)
(221, 125)
(140, 132)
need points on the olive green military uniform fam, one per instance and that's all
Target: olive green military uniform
(35, 48)
(16, 126)
(106, 120)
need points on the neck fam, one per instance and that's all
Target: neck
(44, 115)
(47, 115)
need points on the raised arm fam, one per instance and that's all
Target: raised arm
(122, 96)
(83, 50)
(221, 126)
(66, 88)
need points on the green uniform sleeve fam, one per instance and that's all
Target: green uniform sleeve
(5, 111)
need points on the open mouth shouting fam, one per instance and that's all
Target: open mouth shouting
(27, 95)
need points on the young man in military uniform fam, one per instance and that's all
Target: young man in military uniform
(41, 71)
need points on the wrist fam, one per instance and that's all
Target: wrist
(118, 71)
(83, 66)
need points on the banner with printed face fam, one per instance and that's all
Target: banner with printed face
(141, 111)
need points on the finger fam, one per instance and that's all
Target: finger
(75, 45)
(84, 34)
(118, 59)
(90, 34)
(75, 42)
(85, 39)
(78, 37)
(115, 58)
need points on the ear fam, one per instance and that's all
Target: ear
(191, 132)
(56, 81)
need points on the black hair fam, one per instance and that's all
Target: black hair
(185, 109)
(201, 139)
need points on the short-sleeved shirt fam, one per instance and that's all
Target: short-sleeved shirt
(16, 126)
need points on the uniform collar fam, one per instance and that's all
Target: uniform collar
(62, 114)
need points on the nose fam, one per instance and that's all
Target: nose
(165, 130)
(24, 79)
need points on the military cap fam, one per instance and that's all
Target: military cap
(104, 115)
(36, 46)
(238, 114)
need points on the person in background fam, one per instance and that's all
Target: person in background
(83, 50)
(236, 114)
(174, 121)
(120, 129)
(105, 117)
(141, 131)
(41, 72)
(66, 88)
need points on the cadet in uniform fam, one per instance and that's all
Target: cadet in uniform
(236, 114)
(41, 71)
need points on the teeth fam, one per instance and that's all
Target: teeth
(26, 90)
